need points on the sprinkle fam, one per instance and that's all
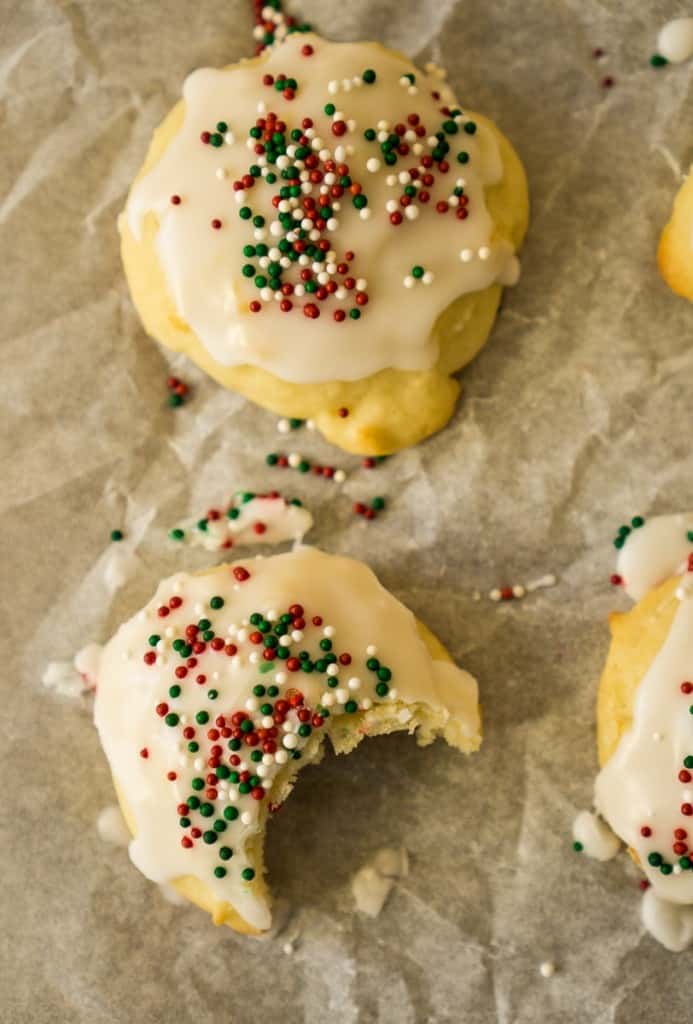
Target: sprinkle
(116, 535)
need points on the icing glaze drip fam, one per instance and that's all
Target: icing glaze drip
(350, 214)
(675, 40)
(668, 923)
(111, 826)
(595, 837)
(210, 698)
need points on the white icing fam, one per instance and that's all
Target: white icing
(111, 826)
(640, 788)
(73, 678)
(675, 40)
(282, 521)
(654, 553)
(668, 923)
(372, 883)
(202, 266)
(597, 839)
(356, 611)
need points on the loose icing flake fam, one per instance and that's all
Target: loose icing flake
(320, 207)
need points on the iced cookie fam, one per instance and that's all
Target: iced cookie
(326, 231)
(211, 699)
(644, 791)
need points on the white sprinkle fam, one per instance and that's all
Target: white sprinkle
(333, 87)
(294, 460)
(428, 277)
(247, 818)
(281, 757)
(495, 594)
(341, 696)
(484, 252)
(252, 704)
(333, 670)
(366, 704)
(354, 683)
(411, 212)
(373, 164)
(371, 650)
(327, 699)
(254, 658)
(280, 678)
(408, 281)
(290, 741)
(221, 173)
(365, 213)
(339, 476)
(547, 969)
(466, 255)
(267, 722)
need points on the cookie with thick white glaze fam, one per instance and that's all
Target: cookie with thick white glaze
(326, 231)
(644, 791)
(210, 700)
(675, 252)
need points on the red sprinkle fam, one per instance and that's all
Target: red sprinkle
(616, 580)
(144, 753)
(307, 51)
(343, 412)
(241, 574)
(646, 831)
(175, 200)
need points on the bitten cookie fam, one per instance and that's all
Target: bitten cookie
(324, 230)
(210, 700)
(644, 791)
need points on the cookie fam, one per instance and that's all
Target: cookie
(324, 230)
(210, 700)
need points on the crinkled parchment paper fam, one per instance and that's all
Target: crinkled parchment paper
(576, 415)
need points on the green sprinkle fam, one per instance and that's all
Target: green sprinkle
(245, 213)
(666, 869)
(230, 813)
(201, 524)
(655, 859)
(204, 624)
(417, 271)
(578, 847)
(378, 503)
(222, 772)
(233, 513)
(637, 522)
(177, 534)
(206, 810)
(688, 761)
(216, 602)
(219, 871)
(193, 746)
(116, 535)
(225, 852)
(382, 689)
(222, 127)
(462, 157)
(198, 783)
(154, 639)
(369, 76)
(202, 717)
(216, 140)
(174, 691)
(329, 109)
(171, 718)
(212, 694)
(373, 664)
(219, 825)
(184, 822)
(351, 706)
(209, 837)
(657, 61)
(355, 314)
(247, 874)
(304, 730)
(272, 691)
(384, 674)
(295, 423)
(369, 134)
(193, 802)
(259, 690)
(470, 127)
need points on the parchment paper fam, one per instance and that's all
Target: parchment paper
(575, 416)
